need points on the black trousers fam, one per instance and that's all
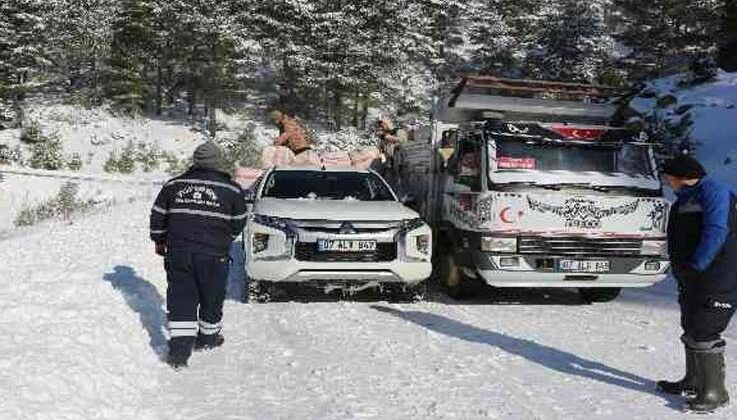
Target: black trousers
(704, 314)
(194, 297)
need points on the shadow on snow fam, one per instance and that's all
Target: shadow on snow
(144, 299)
(549, 357)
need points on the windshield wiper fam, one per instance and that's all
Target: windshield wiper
(600, 188)
(559, 185)
(555, 187)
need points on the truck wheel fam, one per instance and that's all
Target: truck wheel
(599, 295)
(451, 278)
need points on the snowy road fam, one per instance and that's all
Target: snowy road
(81, 319)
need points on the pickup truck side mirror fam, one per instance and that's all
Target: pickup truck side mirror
(249, 196)
(409, 200)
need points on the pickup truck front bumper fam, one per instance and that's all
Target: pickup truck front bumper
(293, 271)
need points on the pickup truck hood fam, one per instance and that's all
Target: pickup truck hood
(379, 211)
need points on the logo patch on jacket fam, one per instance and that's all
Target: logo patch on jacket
(721, 305)
(195, 194)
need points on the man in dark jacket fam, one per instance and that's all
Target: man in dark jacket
(702, 240)
(194, 220)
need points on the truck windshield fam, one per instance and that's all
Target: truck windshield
(326, 185)
(518, 155)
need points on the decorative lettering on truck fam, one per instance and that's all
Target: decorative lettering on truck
(581, 213)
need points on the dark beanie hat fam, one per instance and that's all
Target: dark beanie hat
(209, 156)
(684, 166)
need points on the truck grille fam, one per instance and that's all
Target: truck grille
(307, 251)
(580, 246)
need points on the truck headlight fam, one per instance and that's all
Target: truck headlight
(655, 248)
(498, 244)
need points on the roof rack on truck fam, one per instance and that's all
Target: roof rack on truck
(488, 97)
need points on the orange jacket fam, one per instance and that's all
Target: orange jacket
(292, 135)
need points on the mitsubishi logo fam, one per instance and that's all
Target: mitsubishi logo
(347, 229)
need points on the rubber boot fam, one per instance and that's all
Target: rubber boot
(208, 342)
(180, 348)
(686, 386)
(711, 393)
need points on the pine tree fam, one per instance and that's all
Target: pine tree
(502, 32)
(728, 47)
(665, 35)
(284, 30)
(81, 43)
(22, 52)
(132, 34)
(574, 44)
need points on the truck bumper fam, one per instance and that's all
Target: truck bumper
(624, 272)
(292, 271)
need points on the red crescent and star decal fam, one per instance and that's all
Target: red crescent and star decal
(507, 215)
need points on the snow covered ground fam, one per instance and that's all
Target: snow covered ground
(81, 316)
(23, 188)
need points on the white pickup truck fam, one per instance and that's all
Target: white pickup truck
(334, 229)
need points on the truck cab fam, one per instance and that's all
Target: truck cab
(527, 184)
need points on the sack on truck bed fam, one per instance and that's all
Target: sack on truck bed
(245, 177)
(309, 158)
(337, 160)
(369, 158)
(276, 156)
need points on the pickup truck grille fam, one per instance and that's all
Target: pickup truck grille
(307, 251)
(580, 246)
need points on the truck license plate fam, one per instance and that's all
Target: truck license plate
(583, 266)
(336, 245)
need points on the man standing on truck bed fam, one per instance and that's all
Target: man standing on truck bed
(390, 141)
(702, 240)
(194, 220)
(291, 133)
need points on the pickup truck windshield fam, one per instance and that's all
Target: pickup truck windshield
(628, 159)
(326, 185)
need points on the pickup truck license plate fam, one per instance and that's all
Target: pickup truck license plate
(583, 266)
(336, 245)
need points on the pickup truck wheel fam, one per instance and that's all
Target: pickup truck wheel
(599, 295)
(409, 293)
(258, 291)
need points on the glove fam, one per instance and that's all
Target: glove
(160, 249)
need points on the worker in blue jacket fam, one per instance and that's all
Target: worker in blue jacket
(702, 241)
(194, 220)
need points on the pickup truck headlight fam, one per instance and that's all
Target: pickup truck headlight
(272, 238)
(412, 224)
(498, 244)
(416, 237)
(272, 222)
(655, 248)
(260, 242)
(423, 244)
